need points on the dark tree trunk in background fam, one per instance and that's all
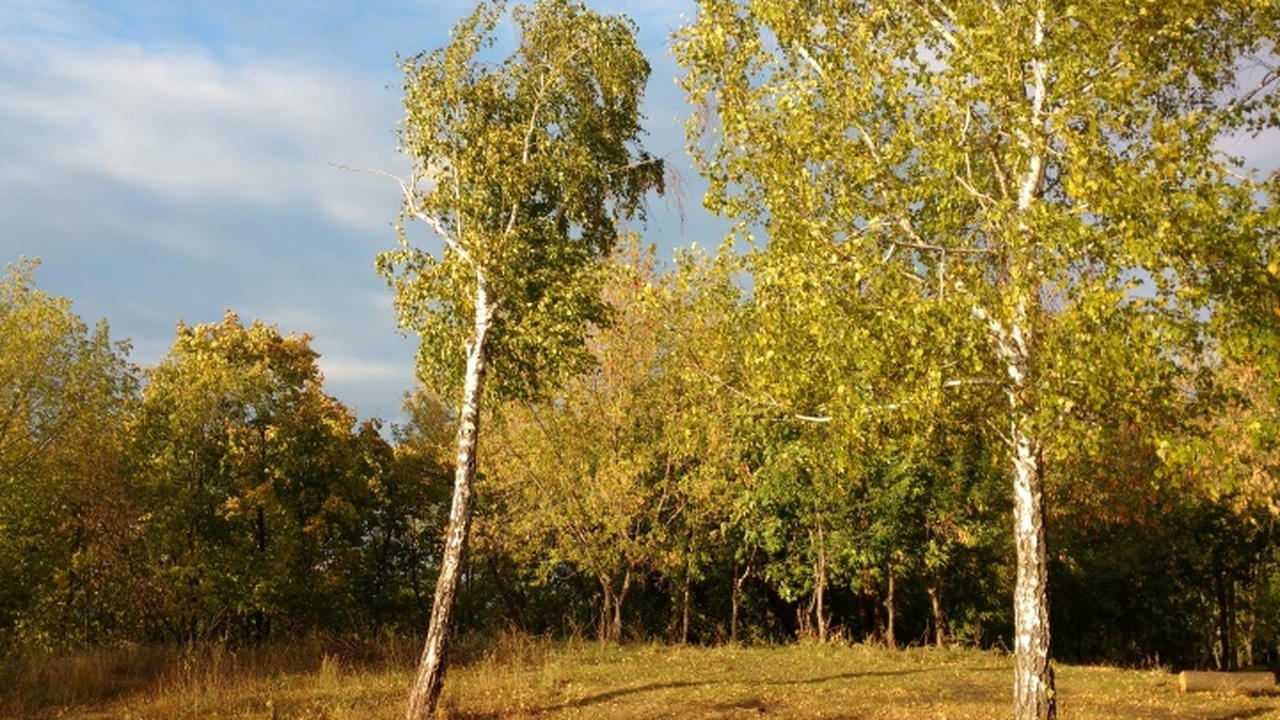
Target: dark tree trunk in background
(935, 603)
(890, 607)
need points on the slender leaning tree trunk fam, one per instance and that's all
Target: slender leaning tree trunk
(431, 669)
(890, 608)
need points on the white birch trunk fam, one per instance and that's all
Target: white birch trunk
(1033, 689)
(431, 668)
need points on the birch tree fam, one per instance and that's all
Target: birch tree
(522, 168)
(1032, 164)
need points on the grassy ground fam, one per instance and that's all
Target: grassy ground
(532, 678)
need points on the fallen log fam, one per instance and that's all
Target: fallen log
(1249, 682)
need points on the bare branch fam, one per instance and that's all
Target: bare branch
(866, 140)
(938, 25)
(929, 247)
(985, 200)
(812, 62)
(407, 189)
(959, 382)
(1269, 79)
(1032, 179)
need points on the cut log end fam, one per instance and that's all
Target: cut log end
(1242, 682)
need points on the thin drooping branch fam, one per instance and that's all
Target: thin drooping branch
(950, 37)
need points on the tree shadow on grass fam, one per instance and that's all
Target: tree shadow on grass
(608, 695)
(844, 676)
(1243, 714)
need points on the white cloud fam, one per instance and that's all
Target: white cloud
(192, 130)
(358, 370)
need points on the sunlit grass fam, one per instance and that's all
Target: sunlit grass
(522, 677)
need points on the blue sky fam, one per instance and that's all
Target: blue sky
(171, 159)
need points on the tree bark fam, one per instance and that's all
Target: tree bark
(431, 669)
(1033, 691)
(1228, 682)
(934, 590)
(619, 602)
(736, 598)
(606, 607)
(1224, 587)
(820, 587)
(261, 622)
(610, 628)
(890, 608)
(686, 600)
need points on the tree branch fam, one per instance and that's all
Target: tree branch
(408, 190)
(1270, 78)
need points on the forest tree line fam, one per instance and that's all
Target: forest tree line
(665, 489)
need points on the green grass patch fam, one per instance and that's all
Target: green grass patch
(521, 677)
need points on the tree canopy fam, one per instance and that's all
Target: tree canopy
(1031, 165)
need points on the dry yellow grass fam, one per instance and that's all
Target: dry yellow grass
(522, 677)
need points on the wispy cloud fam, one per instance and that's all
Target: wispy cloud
(190, 130)
(161, 181)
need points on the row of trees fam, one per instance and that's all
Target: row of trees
(1027, 193)
(221, 495)
(704, 508)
